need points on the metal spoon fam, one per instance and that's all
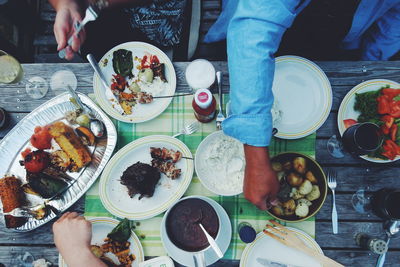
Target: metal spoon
(96, 126)
(212, 242)
(392, 228)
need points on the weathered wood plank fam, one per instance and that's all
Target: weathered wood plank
(8, 254)
(45, 40)
(210, 15)
(345, 210)
(13, 119)
(354, 258)
(362, 258)
(211, 4)
(347, 230)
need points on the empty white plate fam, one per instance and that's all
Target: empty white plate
(265, 247)
(304, 96)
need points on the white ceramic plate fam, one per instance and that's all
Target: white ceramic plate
(114, 195)
(141, 112)
(101, 226)
(304, 96)
(210, 176)
(223, 238)
(268, 248)
(346, 109)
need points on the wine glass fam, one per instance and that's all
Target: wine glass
(11, 72)
(359, 139)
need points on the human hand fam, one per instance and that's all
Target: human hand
(68, 14)
(72, 236)
(261, 184)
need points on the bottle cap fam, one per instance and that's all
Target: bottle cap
(203, 98)
(246, 232)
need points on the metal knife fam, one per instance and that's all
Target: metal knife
(109, 93)
(270, 263)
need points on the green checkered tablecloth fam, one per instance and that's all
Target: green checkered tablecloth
(179, 114)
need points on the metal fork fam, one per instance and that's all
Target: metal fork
(90, 15)
(188, 129)
(332, 185)
(220, 116)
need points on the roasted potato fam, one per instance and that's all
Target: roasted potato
(304, 201)
(289, 207)
(310, 176)
(134, 87)
(294, 179)
(302, 210)
(276, 166)
(314, 194)
(295, 194)
(96, 250)
(287, 166)
(306, 187)
(300, 165)
(277, 210)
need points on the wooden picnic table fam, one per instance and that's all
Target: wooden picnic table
(353, 173)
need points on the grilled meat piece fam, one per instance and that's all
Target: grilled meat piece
(159, 70)
(165, 154)
(140, 178)
(144, 98)
(12, 197)
(167, 167)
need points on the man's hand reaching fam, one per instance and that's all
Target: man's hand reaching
(68, 14)
(260, 182)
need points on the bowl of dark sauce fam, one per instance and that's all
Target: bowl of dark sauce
(183, 221)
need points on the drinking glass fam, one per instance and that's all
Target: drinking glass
(359, 139)
(62, 79)
(11, 72)
(383, 203)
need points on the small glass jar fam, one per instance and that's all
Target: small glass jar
(246, 232)
(373, 244)
(200, 73)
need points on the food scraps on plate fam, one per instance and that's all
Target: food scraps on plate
(116, 243)
(130, 89)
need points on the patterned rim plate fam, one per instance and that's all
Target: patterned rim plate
(268, 248)
(346, 109)
(101, 226)
(304, 95)
(114, 195)
(141, 112)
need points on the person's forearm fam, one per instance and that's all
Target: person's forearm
(256, 155)
(85, 258)
(57, 4)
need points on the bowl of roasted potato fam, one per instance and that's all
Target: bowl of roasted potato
(303, 187)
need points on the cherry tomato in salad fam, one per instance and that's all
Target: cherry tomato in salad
(349, 122)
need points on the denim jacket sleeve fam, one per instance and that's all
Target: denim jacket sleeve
(383, 39)
(254, 35)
